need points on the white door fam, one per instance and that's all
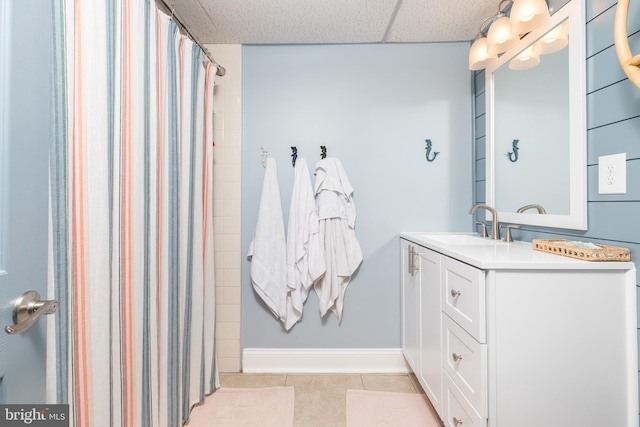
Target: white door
(25, 38)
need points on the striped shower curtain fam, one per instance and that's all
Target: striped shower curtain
(131, 219)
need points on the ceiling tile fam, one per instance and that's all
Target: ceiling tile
(293, 21)
(194, 17)
(332, 21)
(431, 20)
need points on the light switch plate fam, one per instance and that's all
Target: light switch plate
(612, 174)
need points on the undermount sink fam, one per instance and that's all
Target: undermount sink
(463, 239)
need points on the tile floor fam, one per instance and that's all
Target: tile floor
(320, 398)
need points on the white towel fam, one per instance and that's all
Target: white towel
(267, 251)
(305, 256)
(337, 214)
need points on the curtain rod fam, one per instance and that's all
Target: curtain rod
(163, 5)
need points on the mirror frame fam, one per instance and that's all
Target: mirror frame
(577, 217)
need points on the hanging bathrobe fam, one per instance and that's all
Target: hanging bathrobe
(305, 256)
(268, 251)
(337, 214)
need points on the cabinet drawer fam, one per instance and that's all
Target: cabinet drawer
(464, 296)
(465, 360)
(457, 410)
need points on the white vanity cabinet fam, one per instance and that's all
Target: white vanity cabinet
(526, 338)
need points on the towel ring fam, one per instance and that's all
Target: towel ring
(630, 64)
(294, 155)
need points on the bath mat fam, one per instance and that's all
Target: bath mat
(250, 407)
(376, 408)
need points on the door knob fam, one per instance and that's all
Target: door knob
(27, 309)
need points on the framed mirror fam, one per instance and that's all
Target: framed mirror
(536, 126)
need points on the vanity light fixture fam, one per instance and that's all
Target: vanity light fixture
(505, 31)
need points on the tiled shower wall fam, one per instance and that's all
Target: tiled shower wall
(227, 119)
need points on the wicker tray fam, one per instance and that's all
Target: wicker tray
(565, 248)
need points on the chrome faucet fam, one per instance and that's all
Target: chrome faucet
(536, 206)
(495, 226)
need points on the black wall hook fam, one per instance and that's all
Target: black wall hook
(294, 155)
(323, 151)
(428, 149)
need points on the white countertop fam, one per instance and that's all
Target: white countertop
(507, 256)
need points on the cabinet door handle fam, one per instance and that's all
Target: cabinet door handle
(456, 357)
(457, 421)
(413, 263)
(455, 293)
(410, 260)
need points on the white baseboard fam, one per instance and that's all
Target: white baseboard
(324, 360)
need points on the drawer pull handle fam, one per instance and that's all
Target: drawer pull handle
(455, 293)
(456, 357)
(456, 421)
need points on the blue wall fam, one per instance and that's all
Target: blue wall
(373, 106)
(613, 126)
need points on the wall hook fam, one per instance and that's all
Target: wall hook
(428, 148)
(323, 151)
(264, 156)
(513, 155)
(294, 155)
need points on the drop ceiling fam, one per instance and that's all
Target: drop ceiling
(331, 21)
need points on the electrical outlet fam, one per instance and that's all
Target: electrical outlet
(612, 174)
